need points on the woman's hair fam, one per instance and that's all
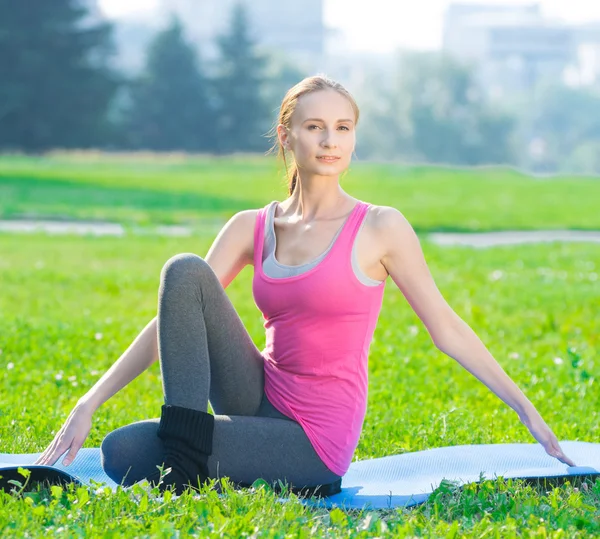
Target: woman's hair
(288, 105)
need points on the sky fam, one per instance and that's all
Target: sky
(383, 25)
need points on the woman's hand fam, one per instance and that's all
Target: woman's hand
(542, 433)
(71, 436)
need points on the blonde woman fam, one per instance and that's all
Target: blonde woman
(294, 411)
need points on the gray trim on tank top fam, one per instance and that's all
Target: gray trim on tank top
(272, 268)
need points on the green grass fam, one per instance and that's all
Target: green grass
(192, 190)
(70, 306)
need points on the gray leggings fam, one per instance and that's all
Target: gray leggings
(206, 353)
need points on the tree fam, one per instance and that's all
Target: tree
(451, 121)
(584, 159)
(170, 101)
(567, 120)
(56, 80)
(243, 112)
(281, 74)
(433, 111)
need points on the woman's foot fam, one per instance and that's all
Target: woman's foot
(187, 436)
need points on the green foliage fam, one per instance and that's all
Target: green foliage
(451, 123)
(59, 91)
(170, 105)
(565, 120)
(56, 83)
(280, 75)
(435, 112)
(242, 110)
(585, 158)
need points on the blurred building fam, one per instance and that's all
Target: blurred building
(515, 46)
(587, 69)
(294, 29)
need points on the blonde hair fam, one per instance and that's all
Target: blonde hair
(288, 105)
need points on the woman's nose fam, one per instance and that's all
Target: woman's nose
(329, 141)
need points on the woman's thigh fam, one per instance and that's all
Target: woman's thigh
(203, 340)
(245, 448)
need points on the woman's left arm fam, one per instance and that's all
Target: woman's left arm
(406, 265)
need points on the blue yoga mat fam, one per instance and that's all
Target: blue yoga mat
(381, 483)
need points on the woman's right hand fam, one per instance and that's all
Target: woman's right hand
(71, 436)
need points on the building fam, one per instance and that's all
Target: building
(514, 47)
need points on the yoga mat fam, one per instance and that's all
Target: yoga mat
(380, 483)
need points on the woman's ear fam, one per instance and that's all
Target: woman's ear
(283, 139)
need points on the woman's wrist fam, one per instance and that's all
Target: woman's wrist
(86, 405)
(526, 411)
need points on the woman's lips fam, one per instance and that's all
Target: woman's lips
(328, 159)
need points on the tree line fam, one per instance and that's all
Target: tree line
(58, 89)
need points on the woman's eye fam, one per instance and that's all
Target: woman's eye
(343, 126)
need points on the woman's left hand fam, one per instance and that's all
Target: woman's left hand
(542, 433)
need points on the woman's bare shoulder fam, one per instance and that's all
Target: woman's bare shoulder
(382, 224)
(379, 216)
(248, 215)
(374, 217)
(245, 226)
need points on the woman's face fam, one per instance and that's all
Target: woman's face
(322, 125)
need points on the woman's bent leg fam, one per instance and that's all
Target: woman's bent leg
(206, 353)
(244, 449)
(205, 350)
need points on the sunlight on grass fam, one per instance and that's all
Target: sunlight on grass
(71, 305)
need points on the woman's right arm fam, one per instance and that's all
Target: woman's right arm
(230, 252)
(142, 352)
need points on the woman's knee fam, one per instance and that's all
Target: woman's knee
(130, 452)
(111, 456)
(121, 457)
(185, 266)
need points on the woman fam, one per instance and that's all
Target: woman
(293, 412)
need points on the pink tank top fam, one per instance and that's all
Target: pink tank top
(319, 326)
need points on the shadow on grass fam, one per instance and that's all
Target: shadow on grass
(36, 196)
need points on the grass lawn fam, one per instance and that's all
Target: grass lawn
(194, 190)
(70, 306)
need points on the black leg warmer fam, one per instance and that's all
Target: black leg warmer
(188, 438)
